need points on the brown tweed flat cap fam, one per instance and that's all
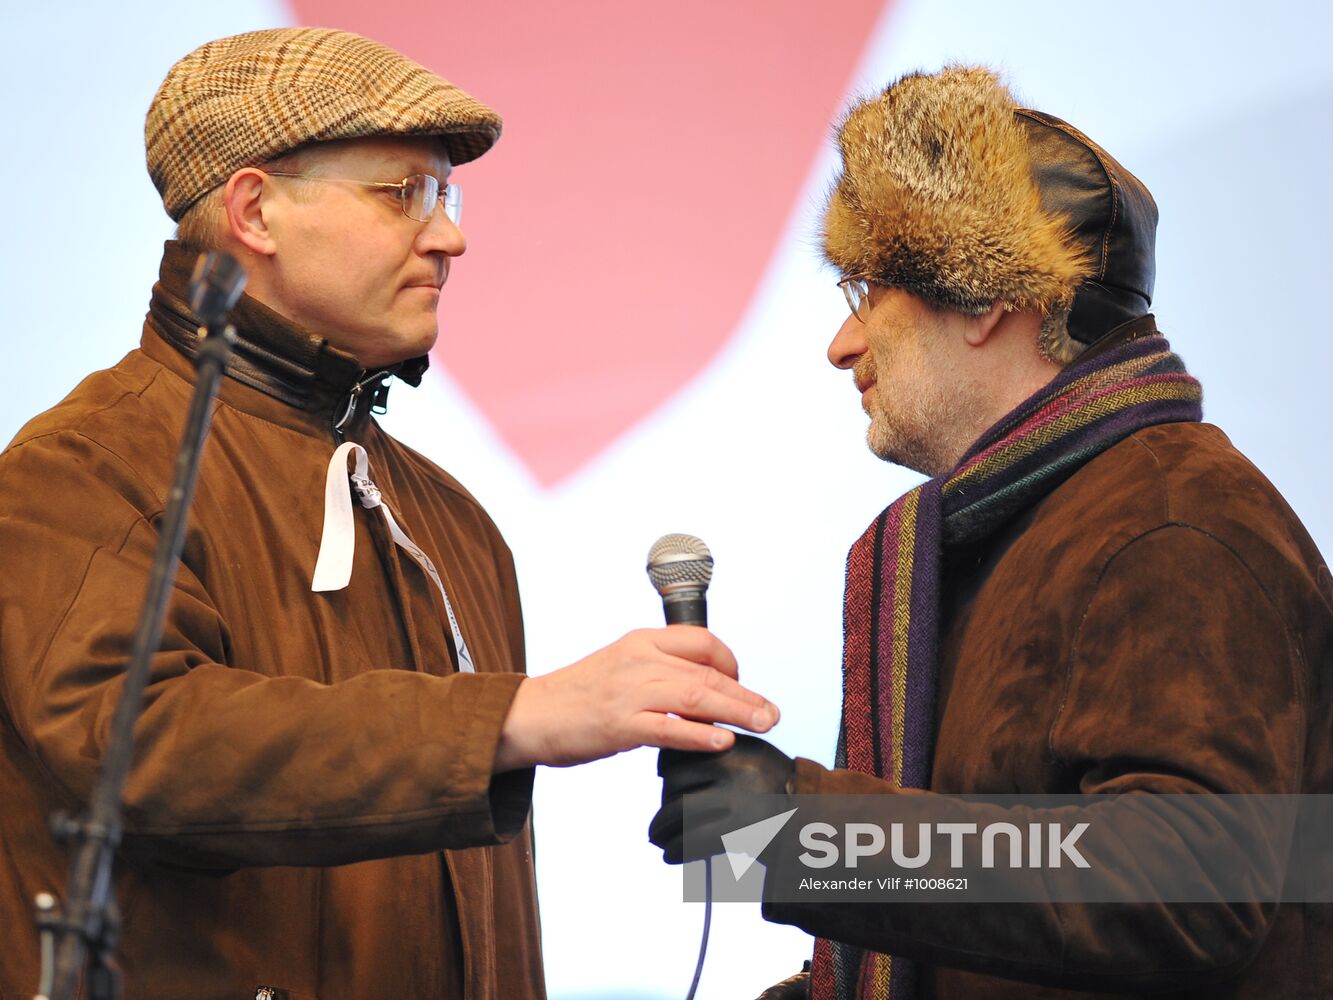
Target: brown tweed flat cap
(244, 100)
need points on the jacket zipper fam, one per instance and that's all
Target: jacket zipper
(378, 383)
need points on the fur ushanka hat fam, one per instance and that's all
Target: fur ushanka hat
(951, 191)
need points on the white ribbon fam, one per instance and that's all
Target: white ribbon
(333, 568)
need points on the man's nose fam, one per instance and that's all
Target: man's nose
(848, 344)
(440, 234)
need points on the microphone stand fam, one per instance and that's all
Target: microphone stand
(86, 929)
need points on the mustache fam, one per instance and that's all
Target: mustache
(864, 371)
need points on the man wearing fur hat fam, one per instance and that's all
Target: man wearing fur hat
(334, 766)
(1095, 593)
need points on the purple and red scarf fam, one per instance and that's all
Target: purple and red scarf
(891, 607)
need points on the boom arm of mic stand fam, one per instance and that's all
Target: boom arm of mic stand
(87, 926)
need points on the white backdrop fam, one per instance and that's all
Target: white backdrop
(1223, 109)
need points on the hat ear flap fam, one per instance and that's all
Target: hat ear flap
(1054, 341)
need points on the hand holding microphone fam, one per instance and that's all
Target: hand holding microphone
(653, 687)
(681, 567)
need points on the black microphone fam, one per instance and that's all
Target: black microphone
(215, 285)
(680, 567)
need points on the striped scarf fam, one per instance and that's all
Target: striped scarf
(891, 607)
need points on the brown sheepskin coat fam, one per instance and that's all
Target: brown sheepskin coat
(1160, 622)
(311, 807)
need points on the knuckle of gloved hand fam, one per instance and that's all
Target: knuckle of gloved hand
(668, 760)
(682, 782)
(659, 830)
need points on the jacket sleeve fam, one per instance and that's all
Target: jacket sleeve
(232, 766)
(1208, 700)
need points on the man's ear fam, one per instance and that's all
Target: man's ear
(981, 327)
(245, 204)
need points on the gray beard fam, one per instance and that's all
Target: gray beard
(928, 430)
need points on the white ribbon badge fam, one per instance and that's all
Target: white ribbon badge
(333, 568)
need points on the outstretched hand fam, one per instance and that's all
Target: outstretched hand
(654, 687)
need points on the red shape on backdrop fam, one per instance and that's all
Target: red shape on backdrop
(651, 157)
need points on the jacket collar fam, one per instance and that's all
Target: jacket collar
(1134, 329)
(274, 355)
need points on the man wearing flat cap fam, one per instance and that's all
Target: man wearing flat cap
(1093, 593)
(333, 770)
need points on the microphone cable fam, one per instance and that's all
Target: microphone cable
(708, 920)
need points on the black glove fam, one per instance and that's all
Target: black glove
(726, 781)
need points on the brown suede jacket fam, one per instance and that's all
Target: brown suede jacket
(308, 766)
(1160, 622)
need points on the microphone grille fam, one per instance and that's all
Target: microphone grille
(679, 561)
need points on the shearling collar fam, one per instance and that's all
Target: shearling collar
(273, 355)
